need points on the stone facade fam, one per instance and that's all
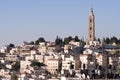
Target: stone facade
(91, 26)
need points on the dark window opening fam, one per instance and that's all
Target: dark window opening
(90, 35)
(83, 66)
(90, 28)
(90, 20)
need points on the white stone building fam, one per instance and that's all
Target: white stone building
(24, 65)
(53, 65)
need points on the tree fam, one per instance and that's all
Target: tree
(77, 39)
(99, 40)
(36, 63)
(107, 40)
(103, 40)
(111, 40)
(16, 66)
(37, 42)
(118, 71)
(31, 43)
(67, 40)
(41, 39)
(2, 66)
(58, 41)
(14, 77)
(114, 40)
(11, 45)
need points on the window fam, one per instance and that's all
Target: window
(90, 28)
(83, 66)
(90, 20)
(90, 35)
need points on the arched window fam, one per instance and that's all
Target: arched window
(90, 28)
(90, 36)
(90, 20)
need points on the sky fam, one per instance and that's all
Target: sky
(27, 20)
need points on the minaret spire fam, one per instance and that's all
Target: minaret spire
(91, 11)
(91, 26)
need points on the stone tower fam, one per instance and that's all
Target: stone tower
(91, 26)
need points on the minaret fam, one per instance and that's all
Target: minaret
(91, 26)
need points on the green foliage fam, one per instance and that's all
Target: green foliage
(14, 77)
(37, 42)
(31, 43)
(16, 66)
(118, 71)
(67, 40)
(107, 40)
(11, 45)
(99, 40)
(76, 39)
(114, 40)
(59, 41)
(41, 39)
(37, 64)
(111, 40)
(2, 66)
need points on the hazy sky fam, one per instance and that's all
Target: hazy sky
(27, 20)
